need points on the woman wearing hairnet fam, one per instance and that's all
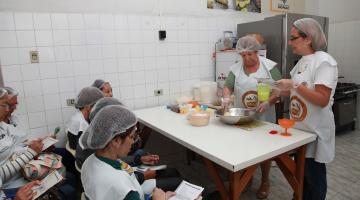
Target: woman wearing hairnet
(104, 86)
(311, 89)
(87, 97)
(14, 154)
(242, 81)
(14, 125)
(167, 179)
(104, 176)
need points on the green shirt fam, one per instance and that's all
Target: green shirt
(132, 195)
(230, 80)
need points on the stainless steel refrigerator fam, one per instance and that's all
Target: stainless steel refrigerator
(276, 32)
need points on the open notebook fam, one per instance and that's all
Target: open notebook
(49, 181)
(187, 191)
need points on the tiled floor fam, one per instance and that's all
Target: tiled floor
(343, 173)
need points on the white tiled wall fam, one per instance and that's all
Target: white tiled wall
(75, 49)
(344, 45)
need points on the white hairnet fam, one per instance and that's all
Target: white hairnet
(312, 29)
(99, 83)
(11, 91)
(247, 43)
(106, 101)
(3, 93)
(109, 122)
(88, 96)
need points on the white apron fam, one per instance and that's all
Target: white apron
(310, 117)
(102, 182)
(245, 87)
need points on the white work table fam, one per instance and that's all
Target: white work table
(229, 146)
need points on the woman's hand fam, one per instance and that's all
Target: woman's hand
(159, 194)
(263, 107)
(26, 192)
(36, 145)
(149, 174)
(150, 159)
(169, 194)
(284, 84)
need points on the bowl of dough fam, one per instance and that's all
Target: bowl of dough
(236, 115)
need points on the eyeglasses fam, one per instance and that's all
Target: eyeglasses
(134, 134)
(292, 38)
(5, 106)
(135, 137)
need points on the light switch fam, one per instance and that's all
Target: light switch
(34, 56)
(70, 102)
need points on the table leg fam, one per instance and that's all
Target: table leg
(216, 177)
(293, 171)
(300, 171)
(239, 181)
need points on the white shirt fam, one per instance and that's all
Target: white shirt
(16, 131)
(77, 124)
(316, 69)
(102, 182)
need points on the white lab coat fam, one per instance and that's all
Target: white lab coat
(77, 124)
(315, 69)
(245, 90)
(102, 182)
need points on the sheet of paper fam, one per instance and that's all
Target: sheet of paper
(187, 191)
(49, 181)
(48, 141)
(143, 168)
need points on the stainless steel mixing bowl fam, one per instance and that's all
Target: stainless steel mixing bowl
(236, 115)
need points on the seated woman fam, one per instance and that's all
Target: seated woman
(12, 161)
(11, 119)
(13, 157)
(87, 97)
(104, 86)
(167, 179)
(104, 175)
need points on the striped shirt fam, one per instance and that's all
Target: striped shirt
(12, 167)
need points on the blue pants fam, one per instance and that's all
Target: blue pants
(315, 183)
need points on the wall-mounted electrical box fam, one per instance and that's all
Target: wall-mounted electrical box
(158, 92)
(34, 56)
(162, 35)
(70, 102)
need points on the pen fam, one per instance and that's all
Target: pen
(148, 196)
(10, 196)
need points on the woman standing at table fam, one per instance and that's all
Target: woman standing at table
(311, 89)
(242, 81)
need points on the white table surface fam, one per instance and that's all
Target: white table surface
(229, 146)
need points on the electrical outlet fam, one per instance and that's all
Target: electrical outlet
(70, 102)
(158, 92)
(34, 57)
